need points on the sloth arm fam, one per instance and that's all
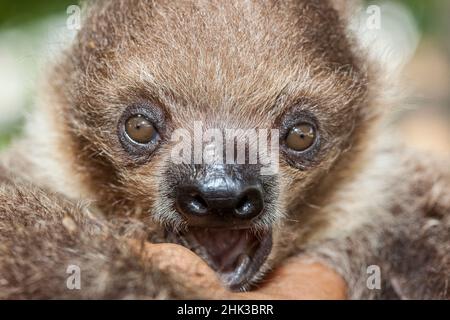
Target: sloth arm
(413, 257)
(410, 245)
(42, 234)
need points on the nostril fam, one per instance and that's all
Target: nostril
(243, 204)
(250, 204)
(216, 206)
(198, 204)
(190, 202)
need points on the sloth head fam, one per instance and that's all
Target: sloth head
(165, 108)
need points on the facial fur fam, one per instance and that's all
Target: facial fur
(229, 65)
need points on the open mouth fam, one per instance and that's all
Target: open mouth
(237, 255)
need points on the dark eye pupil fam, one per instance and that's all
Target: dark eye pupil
(140, 130)
(301, 137)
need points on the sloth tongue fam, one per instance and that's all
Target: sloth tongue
(228, 251)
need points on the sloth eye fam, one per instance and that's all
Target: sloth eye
(140, 129)
(301, 137)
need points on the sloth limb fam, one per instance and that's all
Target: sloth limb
(42, 234)
(410, 246)
(413, 257)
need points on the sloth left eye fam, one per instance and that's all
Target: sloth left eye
(140, 129)
(301, 137)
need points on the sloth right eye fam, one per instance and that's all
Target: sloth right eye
(140, 130)
(301, 137)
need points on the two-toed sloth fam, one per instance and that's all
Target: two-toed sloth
(96, 165)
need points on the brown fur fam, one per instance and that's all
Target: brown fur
(230, 64)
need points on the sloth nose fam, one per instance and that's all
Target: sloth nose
(213, 205)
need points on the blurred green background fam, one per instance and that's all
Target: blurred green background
(14, 13)
(22, 27)
(24, 19)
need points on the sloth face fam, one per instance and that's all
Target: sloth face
(171, 120)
